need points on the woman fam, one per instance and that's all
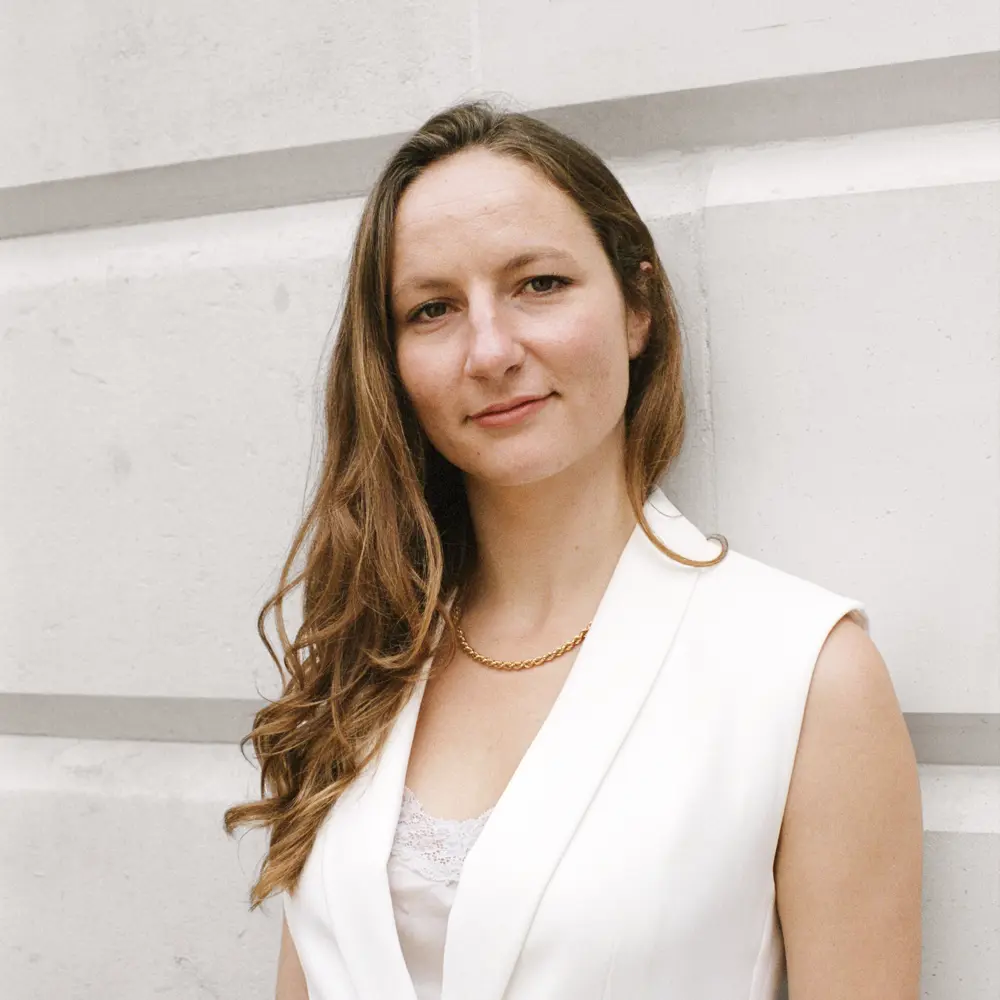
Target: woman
(661, 768)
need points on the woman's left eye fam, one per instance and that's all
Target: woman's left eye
(548, 277)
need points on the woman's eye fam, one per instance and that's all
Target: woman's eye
(430, 305)
(548, 277)
(421, 314)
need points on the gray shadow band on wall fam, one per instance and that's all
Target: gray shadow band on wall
(918, 93)
(938, 737)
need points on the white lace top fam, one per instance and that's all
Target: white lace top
(424, 867)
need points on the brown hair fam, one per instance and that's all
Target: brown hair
(387, 534)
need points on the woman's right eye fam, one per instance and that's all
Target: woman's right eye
(415, 315)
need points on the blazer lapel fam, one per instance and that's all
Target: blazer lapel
(356, 841)
(508, 868)
(506, 872)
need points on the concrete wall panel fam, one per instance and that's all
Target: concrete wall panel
(584, 50)
(112, 85)
(855, 364)
(97, 86)
(158, 388)
(117, 880)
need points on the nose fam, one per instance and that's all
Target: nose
(493, 343)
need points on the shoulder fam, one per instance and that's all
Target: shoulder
(853, 730)
(849, 859)
(851, 706)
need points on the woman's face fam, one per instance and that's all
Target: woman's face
(474, 326)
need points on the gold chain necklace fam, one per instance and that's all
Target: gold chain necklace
(514, 664)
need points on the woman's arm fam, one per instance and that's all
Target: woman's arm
(849, 865)
(291, 979)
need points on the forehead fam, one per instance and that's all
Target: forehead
(480, 203)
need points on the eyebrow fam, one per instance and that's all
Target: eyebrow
(518, 260)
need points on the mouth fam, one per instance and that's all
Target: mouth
(509, 408)
(512, 414)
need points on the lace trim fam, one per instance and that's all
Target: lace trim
(433, 847)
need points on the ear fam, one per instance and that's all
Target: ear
(638, 333)
(639, 324)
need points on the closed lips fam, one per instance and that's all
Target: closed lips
(513, 405)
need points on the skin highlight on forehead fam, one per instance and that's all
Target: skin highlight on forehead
(470, 184)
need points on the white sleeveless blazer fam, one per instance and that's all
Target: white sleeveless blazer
(631, 855)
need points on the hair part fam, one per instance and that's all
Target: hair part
(387, 537)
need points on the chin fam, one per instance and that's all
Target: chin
(522, 473)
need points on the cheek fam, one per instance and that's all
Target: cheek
(596, 361)
(423, 379)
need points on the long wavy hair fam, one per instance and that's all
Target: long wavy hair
(387, 535)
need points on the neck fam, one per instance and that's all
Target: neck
(547, 549)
